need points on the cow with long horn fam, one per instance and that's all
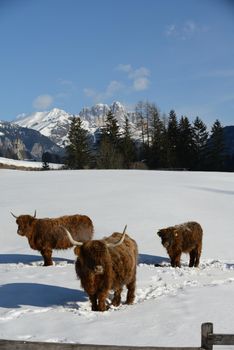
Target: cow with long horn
(47, 234)
(104, 265)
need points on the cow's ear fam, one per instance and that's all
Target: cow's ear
(77, 250)
(159, 233)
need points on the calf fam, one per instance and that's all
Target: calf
(184, 238)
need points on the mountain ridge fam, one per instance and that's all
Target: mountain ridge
(56, 122)
(24, 143)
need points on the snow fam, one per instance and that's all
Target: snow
(47, 123)
(27, 164)
(48, 303)
(40, 120)
(55, 123)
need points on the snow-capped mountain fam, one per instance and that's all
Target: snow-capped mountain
(24, 143)
(55, 123)
(96, 115)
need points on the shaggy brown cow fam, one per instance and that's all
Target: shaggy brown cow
(102, 265)
(184, 238)
(46, 234)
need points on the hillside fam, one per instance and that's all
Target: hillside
(53, 124)
(7, 163)
(24, 143)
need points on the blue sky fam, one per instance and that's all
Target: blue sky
(69, 54)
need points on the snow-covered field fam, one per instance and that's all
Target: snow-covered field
(27, 164)
(48, 304)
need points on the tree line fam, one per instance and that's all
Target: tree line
(157, 142)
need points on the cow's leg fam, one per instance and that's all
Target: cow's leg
(117, 297)
(192, 255)
(93, 300)
(47, 256)
(175, 260)
(102, 296)
(172, 262)
(131, 292)
(198, 254)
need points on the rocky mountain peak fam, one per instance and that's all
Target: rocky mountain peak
(55, 123)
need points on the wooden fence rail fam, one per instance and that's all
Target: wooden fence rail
(208, 339)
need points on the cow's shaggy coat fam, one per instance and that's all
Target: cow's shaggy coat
(102, 268)
(47, 234)
(184, 238)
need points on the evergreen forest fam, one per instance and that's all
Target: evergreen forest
(163, 142)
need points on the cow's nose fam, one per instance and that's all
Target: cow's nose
(98, 269)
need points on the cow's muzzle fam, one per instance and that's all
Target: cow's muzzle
(20, 232)
(166, 244)
(98, 270)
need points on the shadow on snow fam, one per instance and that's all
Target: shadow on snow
(15, 295)
(30, 259)
(153, 260)
(27, 259)
(214, 190)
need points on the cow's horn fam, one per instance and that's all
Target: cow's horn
(14, 215)
(71, 238)
(35, 213)
(112, 245)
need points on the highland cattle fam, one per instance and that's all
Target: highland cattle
(183, 238)
(104, 265)
(46, 234)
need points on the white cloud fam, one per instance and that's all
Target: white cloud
(190, 27)
(139, 80)
(139, 76)
(124, 68)
(185, 30)
(43, 101)
(141, 84)
(171, 30)
(113, 87)
(89, 92)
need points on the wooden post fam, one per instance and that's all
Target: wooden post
(206, 329)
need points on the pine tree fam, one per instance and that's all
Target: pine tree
(109, 151)
(200, 135)
(45, 166)
(127, 146)
(157, 146)
(45, 161)
(172, 140)
(78, 151)
(186, 147)
(215, 148)
(111, 129)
